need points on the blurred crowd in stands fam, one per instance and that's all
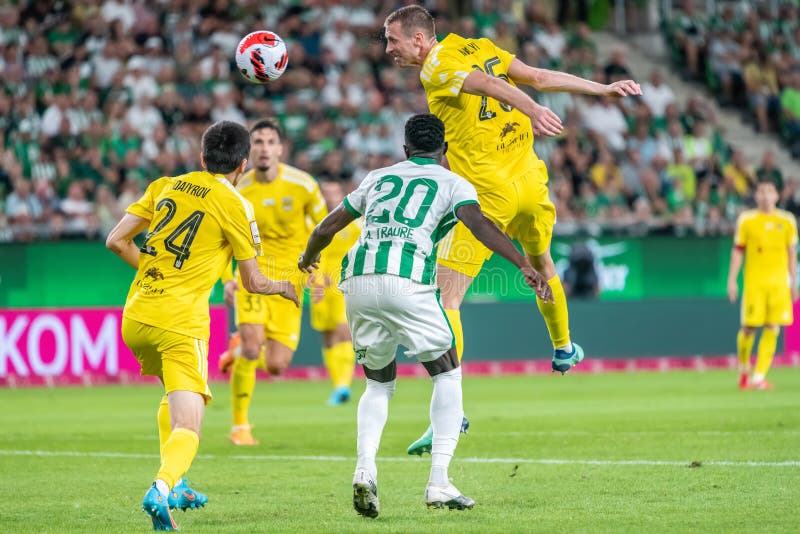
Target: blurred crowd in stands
(749, 58)
(100, 97)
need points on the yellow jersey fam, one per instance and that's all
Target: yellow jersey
(331, 258)
(198, 221)
(765, 239)
(490, 143)
(286, 210)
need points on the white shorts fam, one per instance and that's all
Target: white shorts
(385, 311)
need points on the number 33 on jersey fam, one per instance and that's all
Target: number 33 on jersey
(197, 222)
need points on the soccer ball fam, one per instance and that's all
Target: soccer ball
(261, 56)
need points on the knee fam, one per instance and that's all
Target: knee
(251, 349)
(748, 330)
(450, 297)
(544, 265)
(276, 368)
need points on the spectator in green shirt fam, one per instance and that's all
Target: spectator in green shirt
(790, 104)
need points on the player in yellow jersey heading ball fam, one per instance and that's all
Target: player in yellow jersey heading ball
(766, 241)
(287, 204)
(471, 85)
(327, 301)
(195, 223)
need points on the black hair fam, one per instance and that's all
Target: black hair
(424, 133)
(225, 145)
(767, 179)
(270, 123)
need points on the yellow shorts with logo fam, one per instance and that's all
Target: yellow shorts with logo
(328, 313)
(180, 361)
(766, 305)
(280, 317)
(522, 209)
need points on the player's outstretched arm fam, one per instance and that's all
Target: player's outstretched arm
(490, 235)
(543, 121)
(120, 239)
(322, 236)
(254, 281)
(553, 80)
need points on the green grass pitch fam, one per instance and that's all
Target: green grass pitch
(579, 453)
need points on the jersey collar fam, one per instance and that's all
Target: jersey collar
(422, 161)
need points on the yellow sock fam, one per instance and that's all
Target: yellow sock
(164, 424)
(330, 364)
(454, 316)
(344, 360)
(766, 350)
(243, 382)
(556, 315)
(262, 358)
(177, 455)
(744, 346)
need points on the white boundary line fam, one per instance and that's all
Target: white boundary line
(711, 433)
(277, 457)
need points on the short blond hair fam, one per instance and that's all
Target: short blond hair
(412, 18)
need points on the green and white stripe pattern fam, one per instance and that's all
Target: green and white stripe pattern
(408, 208)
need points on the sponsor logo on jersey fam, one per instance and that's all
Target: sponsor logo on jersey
(510, 127)
(154, 273)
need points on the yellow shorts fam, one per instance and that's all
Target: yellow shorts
(522, 209)
(181, 362)
(280, 317)
(329, 312)
(767, 305)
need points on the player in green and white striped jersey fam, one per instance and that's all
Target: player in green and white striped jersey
(389, 286)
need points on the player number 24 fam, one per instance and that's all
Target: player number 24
(188, 226)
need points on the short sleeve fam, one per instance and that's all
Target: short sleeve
(463, 193)
(145, 206)
(504, 56)
(791, 231)
(443, 73)
(315, 208)
(740, 236)
(241, 230)
(356, 202)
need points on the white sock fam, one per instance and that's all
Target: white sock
(373, 410)
(447, 412)
(566, 348)
(162, 487)
(758, 378)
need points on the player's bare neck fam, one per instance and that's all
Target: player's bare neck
(426, 50)
(266, 177)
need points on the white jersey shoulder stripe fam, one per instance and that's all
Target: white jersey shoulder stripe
(296, 176)
(248, 208)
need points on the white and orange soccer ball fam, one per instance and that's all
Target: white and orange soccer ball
(261, 56)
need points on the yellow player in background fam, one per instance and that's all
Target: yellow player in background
(471, 85)
(287, 204)
(327, 302)
(766, 240)
(195, 223)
